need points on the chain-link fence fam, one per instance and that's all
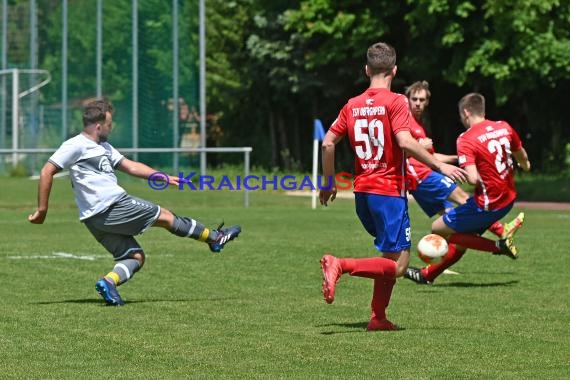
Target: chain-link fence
(139, 55)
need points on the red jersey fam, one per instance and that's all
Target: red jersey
(416, 168)
(371, 121)
(488, 146)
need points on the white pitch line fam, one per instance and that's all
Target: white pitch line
(56, 175)
(447, 271)
(58, 255)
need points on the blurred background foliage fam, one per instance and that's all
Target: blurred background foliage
(274, 66)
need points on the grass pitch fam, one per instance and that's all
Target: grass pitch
(255, 311)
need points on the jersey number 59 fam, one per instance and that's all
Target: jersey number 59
(371, 135)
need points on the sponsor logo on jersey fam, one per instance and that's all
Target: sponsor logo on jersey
(105, 165)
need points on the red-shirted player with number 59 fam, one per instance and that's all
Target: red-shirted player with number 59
(376, 123)
(486, 152)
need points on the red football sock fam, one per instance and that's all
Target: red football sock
(373, 267)
(497, 228)
(432, 271)
(474, 242)
(381, 297)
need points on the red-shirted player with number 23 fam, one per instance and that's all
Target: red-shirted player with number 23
(486, 152)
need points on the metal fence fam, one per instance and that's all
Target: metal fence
(146, 57)
(35, 154)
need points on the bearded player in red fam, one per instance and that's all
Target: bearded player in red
(432, 191)
(486, 152)
(377, 125)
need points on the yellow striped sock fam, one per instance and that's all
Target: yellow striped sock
(204, 235)
(113, 276)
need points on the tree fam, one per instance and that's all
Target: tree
(272, 67)
(514, 51)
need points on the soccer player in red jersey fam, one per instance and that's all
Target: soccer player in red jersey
(434, 192)
(486, 152)
(376, 123)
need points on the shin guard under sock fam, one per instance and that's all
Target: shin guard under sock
(497, 228)
(123, 271)
(431, 272)
(474, 242)
(381, 297)
(188, 227)
(373, 267)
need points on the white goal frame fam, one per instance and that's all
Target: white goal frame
(245, 150)
(16, 96)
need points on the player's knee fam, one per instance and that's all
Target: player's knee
(165, 219)
(401, 261)
(139, 256)
(401, 269)
(439, 228)
(441, 232)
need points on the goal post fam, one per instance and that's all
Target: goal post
(245, 150)
(16, 95)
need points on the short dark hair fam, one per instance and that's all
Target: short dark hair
(474, 103)
(418, 86)
(96, 111)
(381, 58)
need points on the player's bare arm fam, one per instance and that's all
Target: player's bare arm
(138, 169)
(447, 158)
(426, 142)
(407, 142)
(44, 190)
(328, 150)
(522, 159)
(472, 174)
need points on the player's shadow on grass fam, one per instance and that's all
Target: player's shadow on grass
(356, 327)
(127, 302)
(67, 301)
(478, 284)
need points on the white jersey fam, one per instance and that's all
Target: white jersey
(91, 166)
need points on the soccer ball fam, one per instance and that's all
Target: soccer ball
(432, 248)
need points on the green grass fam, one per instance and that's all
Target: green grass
(256, 311)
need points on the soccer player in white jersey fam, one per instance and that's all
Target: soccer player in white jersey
(111, 215)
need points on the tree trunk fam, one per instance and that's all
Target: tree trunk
(273, 140)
